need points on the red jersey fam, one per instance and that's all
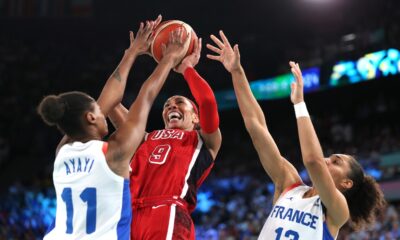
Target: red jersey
(171, 163)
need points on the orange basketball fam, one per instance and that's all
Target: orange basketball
(162, 35)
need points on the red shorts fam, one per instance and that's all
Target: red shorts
(163, 221)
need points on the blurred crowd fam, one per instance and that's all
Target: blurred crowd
(235, 200)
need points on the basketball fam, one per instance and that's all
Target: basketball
(161, 36)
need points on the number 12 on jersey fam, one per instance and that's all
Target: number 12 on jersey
(88, 195)
(289, 234)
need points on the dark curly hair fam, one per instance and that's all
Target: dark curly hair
(365, 199)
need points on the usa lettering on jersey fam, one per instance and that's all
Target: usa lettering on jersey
(168, 134)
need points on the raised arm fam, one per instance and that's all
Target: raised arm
(114, 87)
(313, 158)
(125, 140)
(204, 96)
(113, 90)
(139, 46)
(282, 173)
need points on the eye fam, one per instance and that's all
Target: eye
(166, 105)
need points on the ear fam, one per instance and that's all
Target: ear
(195, 118)
(90, 117)
(347, 183)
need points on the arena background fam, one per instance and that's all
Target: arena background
(52, 46)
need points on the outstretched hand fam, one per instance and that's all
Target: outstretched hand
(191, 60)
(297, 92)
(228, 56)
(174, 50)
(141, 44)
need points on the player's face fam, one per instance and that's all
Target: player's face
(178, 113)
(339, 167)
(101, 122)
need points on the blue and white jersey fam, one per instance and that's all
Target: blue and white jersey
(296, 218)
(92, 201)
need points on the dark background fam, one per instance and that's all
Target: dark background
(53, 46)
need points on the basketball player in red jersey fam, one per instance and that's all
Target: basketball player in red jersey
(89, 170)
(171, 163)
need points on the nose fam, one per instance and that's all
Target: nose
(327, 161)
(172, 106)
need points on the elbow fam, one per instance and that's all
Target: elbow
(252, 124)
(312, 160)
(208, 101)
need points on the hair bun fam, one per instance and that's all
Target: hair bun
(52, 109)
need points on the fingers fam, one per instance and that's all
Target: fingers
(148, 26)
(213, 57)
(217, 41)
(200, 45)
(131, 36)
(214, 49)
(197, 46)
(295, 69)
(298, 67)
(140, 31)
(163, 48)
(179, 35)
(293, 86)
(236, 50)
(148, 29)
(171, 37)
(183, 35)
(224, 39)
(176, 36)
(157, 21)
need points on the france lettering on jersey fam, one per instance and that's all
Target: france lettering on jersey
(171, 162)
(296, 218)
(92, 201)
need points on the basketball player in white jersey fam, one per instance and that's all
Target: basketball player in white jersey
(91, 177)
(340, 191)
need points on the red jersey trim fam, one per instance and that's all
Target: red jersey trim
(294, 185)
(105, 147)
(204, 176)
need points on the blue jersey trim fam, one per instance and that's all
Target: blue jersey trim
(326, 234)
(51, 227)
(124, 224)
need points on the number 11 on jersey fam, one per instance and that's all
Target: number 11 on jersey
(88, 195)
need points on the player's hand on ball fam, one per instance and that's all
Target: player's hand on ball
(174, 50)
(192, 60)
(297, 92)
(141, 44)
(228, 56)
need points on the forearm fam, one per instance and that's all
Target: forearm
(113, 90)
(245, 99)
(118, 115)
(150, 89)
(310, 147)
(205, 98)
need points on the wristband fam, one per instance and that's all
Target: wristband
(300, 109)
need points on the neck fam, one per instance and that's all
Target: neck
(310, 193)
(86, 138)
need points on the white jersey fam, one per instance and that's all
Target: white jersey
(92, 201)
(296, 218)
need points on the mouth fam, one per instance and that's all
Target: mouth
(174, 117)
